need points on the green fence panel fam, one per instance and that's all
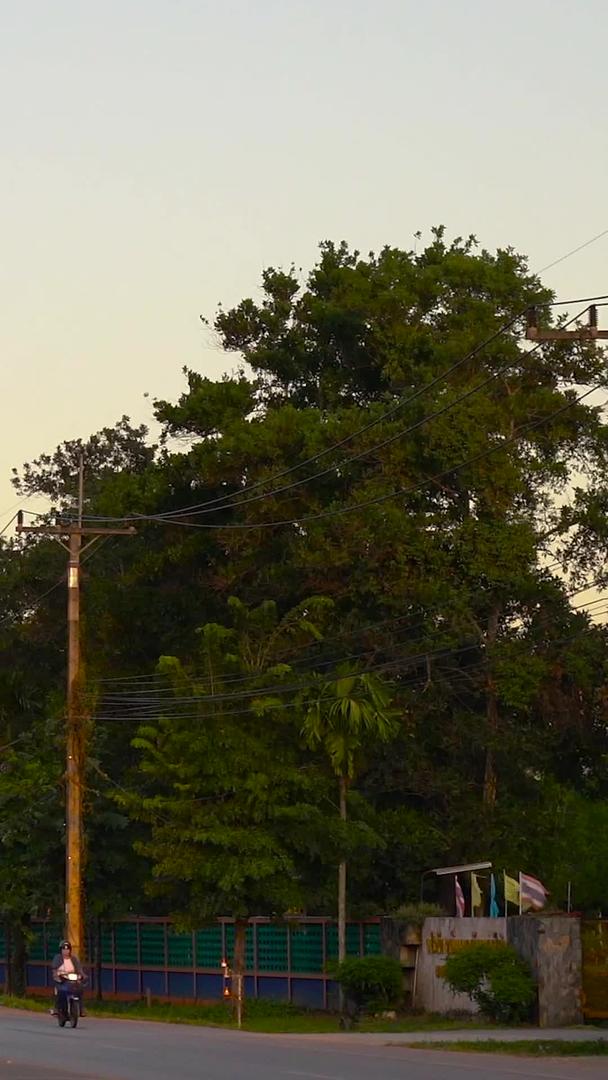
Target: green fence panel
(208, 946)
(307, 947)
(179, 949)
(248, 946)
(125, 940)
(106, 944)
(302, 941)
(36, 949)
(54, 936)
(372, 945)
(273, 950)
(152, 944)
(353, 941)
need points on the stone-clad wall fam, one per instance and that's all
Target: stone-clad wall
(552, 946)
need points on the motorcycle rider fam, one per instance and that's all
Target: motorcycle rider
(65, 962)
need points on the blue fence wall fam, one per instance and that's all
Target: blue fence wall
(285, 961)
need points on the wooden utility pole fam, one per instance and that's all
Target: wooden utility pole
(71, 538)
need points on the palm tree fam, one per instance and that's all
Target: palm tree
(345, 715)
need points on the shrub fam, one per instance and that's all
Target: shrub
(495, 977)
(371, 982)
(415, 914)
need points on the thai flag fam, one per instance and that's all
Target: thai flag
(460, 908)
(532, 892)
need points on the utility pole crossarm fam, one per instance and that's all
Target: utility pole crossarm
(69, 530)
(582, 333)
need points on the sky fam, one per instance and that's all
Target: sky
(156, 155)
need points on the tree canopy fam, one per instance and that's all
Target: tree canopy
(394, 479)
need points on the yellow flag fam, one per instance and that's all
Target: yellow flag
(511, 890)
(475, 893)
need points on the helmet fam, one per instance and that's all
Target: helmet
(65, 945)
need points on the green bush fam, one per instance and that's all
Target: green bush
(371, 982)
(415, 914)
(495, 977)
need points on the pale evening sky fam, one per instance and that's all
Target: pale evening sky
(157, 154)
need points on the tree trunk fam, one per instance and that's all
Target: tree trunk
(342, 892)
(8, 982)
(16, 952)
(98, 958)
(490, 779)
(238, 969)
(342, 882)
(19, 957)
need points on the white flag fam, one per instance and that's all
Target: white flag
(532, 893)
(460, 907)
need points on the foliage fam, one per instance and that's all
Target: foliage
(122, 448)
(423, 499)
(415, 914)
(495, 977)
(371, 982)
(226, 796)
(346, 713)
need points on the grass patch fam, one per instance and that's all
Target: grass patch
(522, 1047)
(427, 1022)
(262, 1016)
(271, 1017)
(30, 1003)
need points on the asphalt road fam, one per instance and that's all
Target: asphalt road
(32, 1047)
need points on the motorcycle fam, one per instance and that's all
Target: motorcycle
(68, 1001)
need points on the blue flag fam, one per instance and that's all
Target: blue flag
(494, 912)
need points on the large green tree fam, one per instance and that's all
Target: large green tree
(438, 510)
(393, 444)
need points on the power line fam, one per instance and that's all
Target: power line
(174, 519)
(278, 688)
(32, 604)
(147, 707)
(149, 683)
(383, 624)
(574, 251)
(347, 461)
(8, 525)
(463, 674)
(234, 499)
(378, 500)
(386, 415)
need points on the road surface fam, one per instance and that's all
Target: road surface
(33, 1047)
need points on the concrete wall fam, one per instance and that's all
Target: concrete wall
(440, 937)
(551, 944)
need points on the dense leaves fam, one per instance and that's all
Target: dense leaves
(392, 448)
(495, 977)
